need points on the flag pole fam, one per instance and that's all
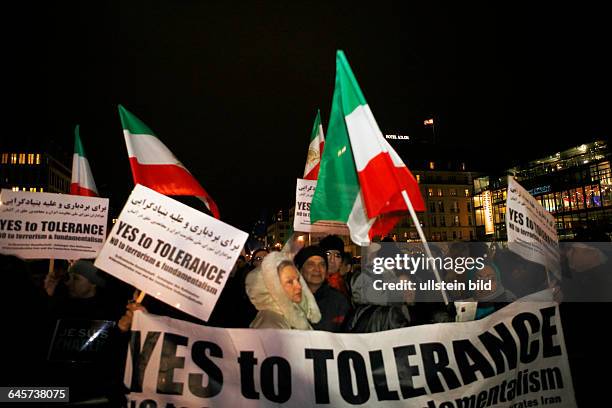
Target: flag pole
(417, 224)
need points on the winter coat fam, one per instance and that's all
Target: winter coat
(377, 311)
(275, 309)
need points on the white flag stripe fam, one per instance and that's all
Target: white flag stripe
(81, 173)
(148, 149)
(358, 222)
(361, 127)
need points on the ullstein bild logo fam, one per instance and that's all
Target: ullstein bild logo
(413, 264)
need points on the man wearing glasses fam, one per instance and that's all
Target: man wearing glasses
(334, 249)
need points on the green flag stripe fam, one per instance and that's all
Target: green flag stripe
(315, 126)
(134, 125)
(78, 146)
(338, 185)
(352, 97)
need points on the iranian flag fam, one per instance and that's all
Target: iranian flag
(154, 166)
(315, 149)
(82, 182)
(363, 181)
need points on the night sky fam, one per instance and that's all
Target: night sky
(233, 89)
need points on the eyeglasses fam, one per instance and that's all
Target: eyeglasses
(333, 254)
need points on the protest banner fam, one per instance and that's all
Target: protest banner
(514, 358)
(177, 254)
(531, 229)
(46, 225)
(301, 221)
(80, 340)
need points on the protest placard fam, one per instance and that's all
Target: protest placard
(81, 340)
(301, 221)
(531, 229)
(177, 254)
(46, 225)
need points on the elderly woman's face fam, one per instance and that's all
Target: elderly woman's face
(290, 281)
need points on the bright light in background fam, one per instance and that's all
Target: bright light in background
(428, 122)
(582, 148)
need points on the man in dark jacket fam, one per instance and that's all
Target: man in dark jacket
(312, 263)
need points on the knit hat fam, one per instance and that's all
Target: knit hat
(307, 252)
(332, 242)
(88, 270)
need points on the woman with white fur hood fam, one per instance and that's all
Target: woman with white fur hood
(279, 293)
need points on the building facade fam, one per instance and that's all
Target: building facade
(447, 188)
(574, 185)
(33, 171)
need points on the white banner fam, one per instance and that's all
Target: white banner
(301, 221)
(515, 357)
(46, 225)
(177, 254)
(531, 230)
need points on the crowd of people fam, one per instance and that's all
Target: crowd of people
(321, 287)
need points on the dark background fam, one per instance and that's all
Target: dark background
(233, 89)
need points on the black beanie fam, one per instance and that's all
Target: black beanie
(331, 242)
(306, 252)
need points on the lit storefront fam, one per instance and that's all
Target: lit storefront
(574, 185)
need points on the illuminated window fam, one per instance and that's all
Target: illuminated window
(24, 189)
(37, 158)
(15, 188)
(4, 158)
(30, 158)
(439, 192)
(22, 157)
(13, 158)
(432, 165)
(33, 189)
(42, 189)
(466, 192)
(418, 177)
(430, 192)
(462, 166)
(452, 192)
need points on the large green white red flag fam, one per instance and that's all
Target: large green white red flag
(315, 150)
(154, 165)
(362, 178)
(82, 182)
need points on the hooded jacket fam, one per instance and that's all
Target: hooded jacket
(275, 309)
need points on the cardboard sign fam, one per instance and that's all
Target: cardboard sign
(177, 254)
(301, 221)
(531, 229)
(45, 225)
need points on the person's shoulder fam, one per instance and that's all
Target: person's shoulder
(267, 319)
